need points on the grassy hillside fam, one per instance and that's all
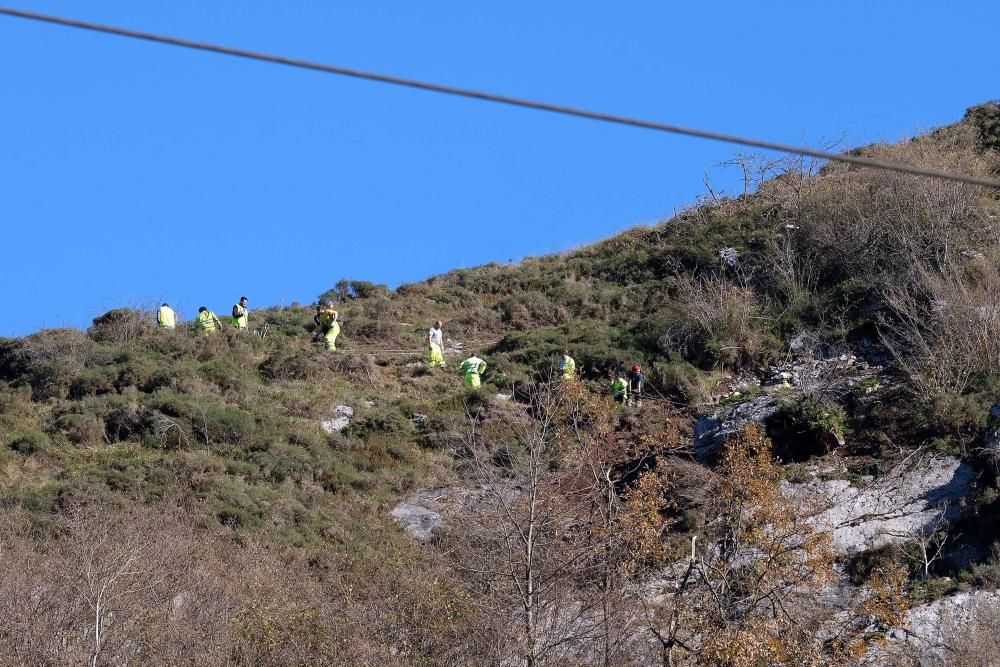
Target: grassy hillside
(205, 456)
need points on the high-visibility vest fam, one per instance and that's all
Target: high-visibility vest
(241, 321)
(208, 321)
(619, 387)
(327, 318)
(568, 366)
(473, 366)
(166, 317)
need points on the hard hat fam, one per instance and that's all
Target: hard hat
(636, 368)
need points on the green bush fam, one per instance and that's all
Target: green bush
(226, 375)
(124, 419)
(80, 428)
(29, 442)
(682, 379)
(94, 382)
(986, 119)
(140, 371)
(353, 289)
(221, 425)
(985, 574)
(807, 414)
(284, 365)
(380, 421)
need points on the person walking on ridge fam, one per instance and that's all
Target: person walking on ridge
(435, 342)
(207, 321)
(472, 368)
(241, 314)
(567, 367)
(166, 318)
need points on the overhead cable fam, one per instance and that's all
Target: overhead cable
(503, 99)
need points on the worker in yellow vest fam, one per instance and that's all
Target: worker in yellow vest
(567, 367)
(166, 318)
(619, 390)
(473, 368)
(207, 321)
(329, 326)
(241, 313)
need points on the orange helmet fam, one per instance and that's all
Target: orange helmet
(636, 368)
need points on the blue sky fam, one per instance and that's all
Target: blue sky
(136, 173)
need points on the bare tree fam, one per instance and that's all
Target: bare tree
(117, 563)
(926, 546)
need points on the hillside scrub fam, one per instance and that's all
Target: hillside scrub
(178, 459)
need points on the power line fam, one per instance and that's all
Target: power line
(502, 99)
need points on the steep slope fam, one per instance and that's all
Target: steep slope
(853, 314)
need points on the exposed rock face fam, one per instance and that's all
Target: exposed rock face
(892, 508)
(420, 514)
(424, 511)
(824, 373)
(930, 628)
(713, 430)
(343, 419)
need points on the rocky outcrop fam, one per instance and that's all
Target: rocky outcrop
(930, 629)
(421, 513)
(712, 431)
(816, 372)
(425, 511)
(893, 508)
(824, 372)
(345, 414)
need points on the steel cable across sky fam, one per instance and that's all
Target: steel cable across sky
(502, 99)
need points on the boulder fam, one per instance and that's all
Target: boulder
(343, 419)
(420, 514)
(425, 511)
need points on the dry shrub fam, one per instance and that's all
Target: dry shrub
(122, 327)
(752, 592)
(722, 318)
(880, 225)
(360, 368)
(54, 347)
(93, 590)
(111, 585)
(52, 359)
(945, 327)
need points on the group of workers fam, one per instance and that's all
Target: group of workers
(626, 390)
(472, 368)
(207, 321)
